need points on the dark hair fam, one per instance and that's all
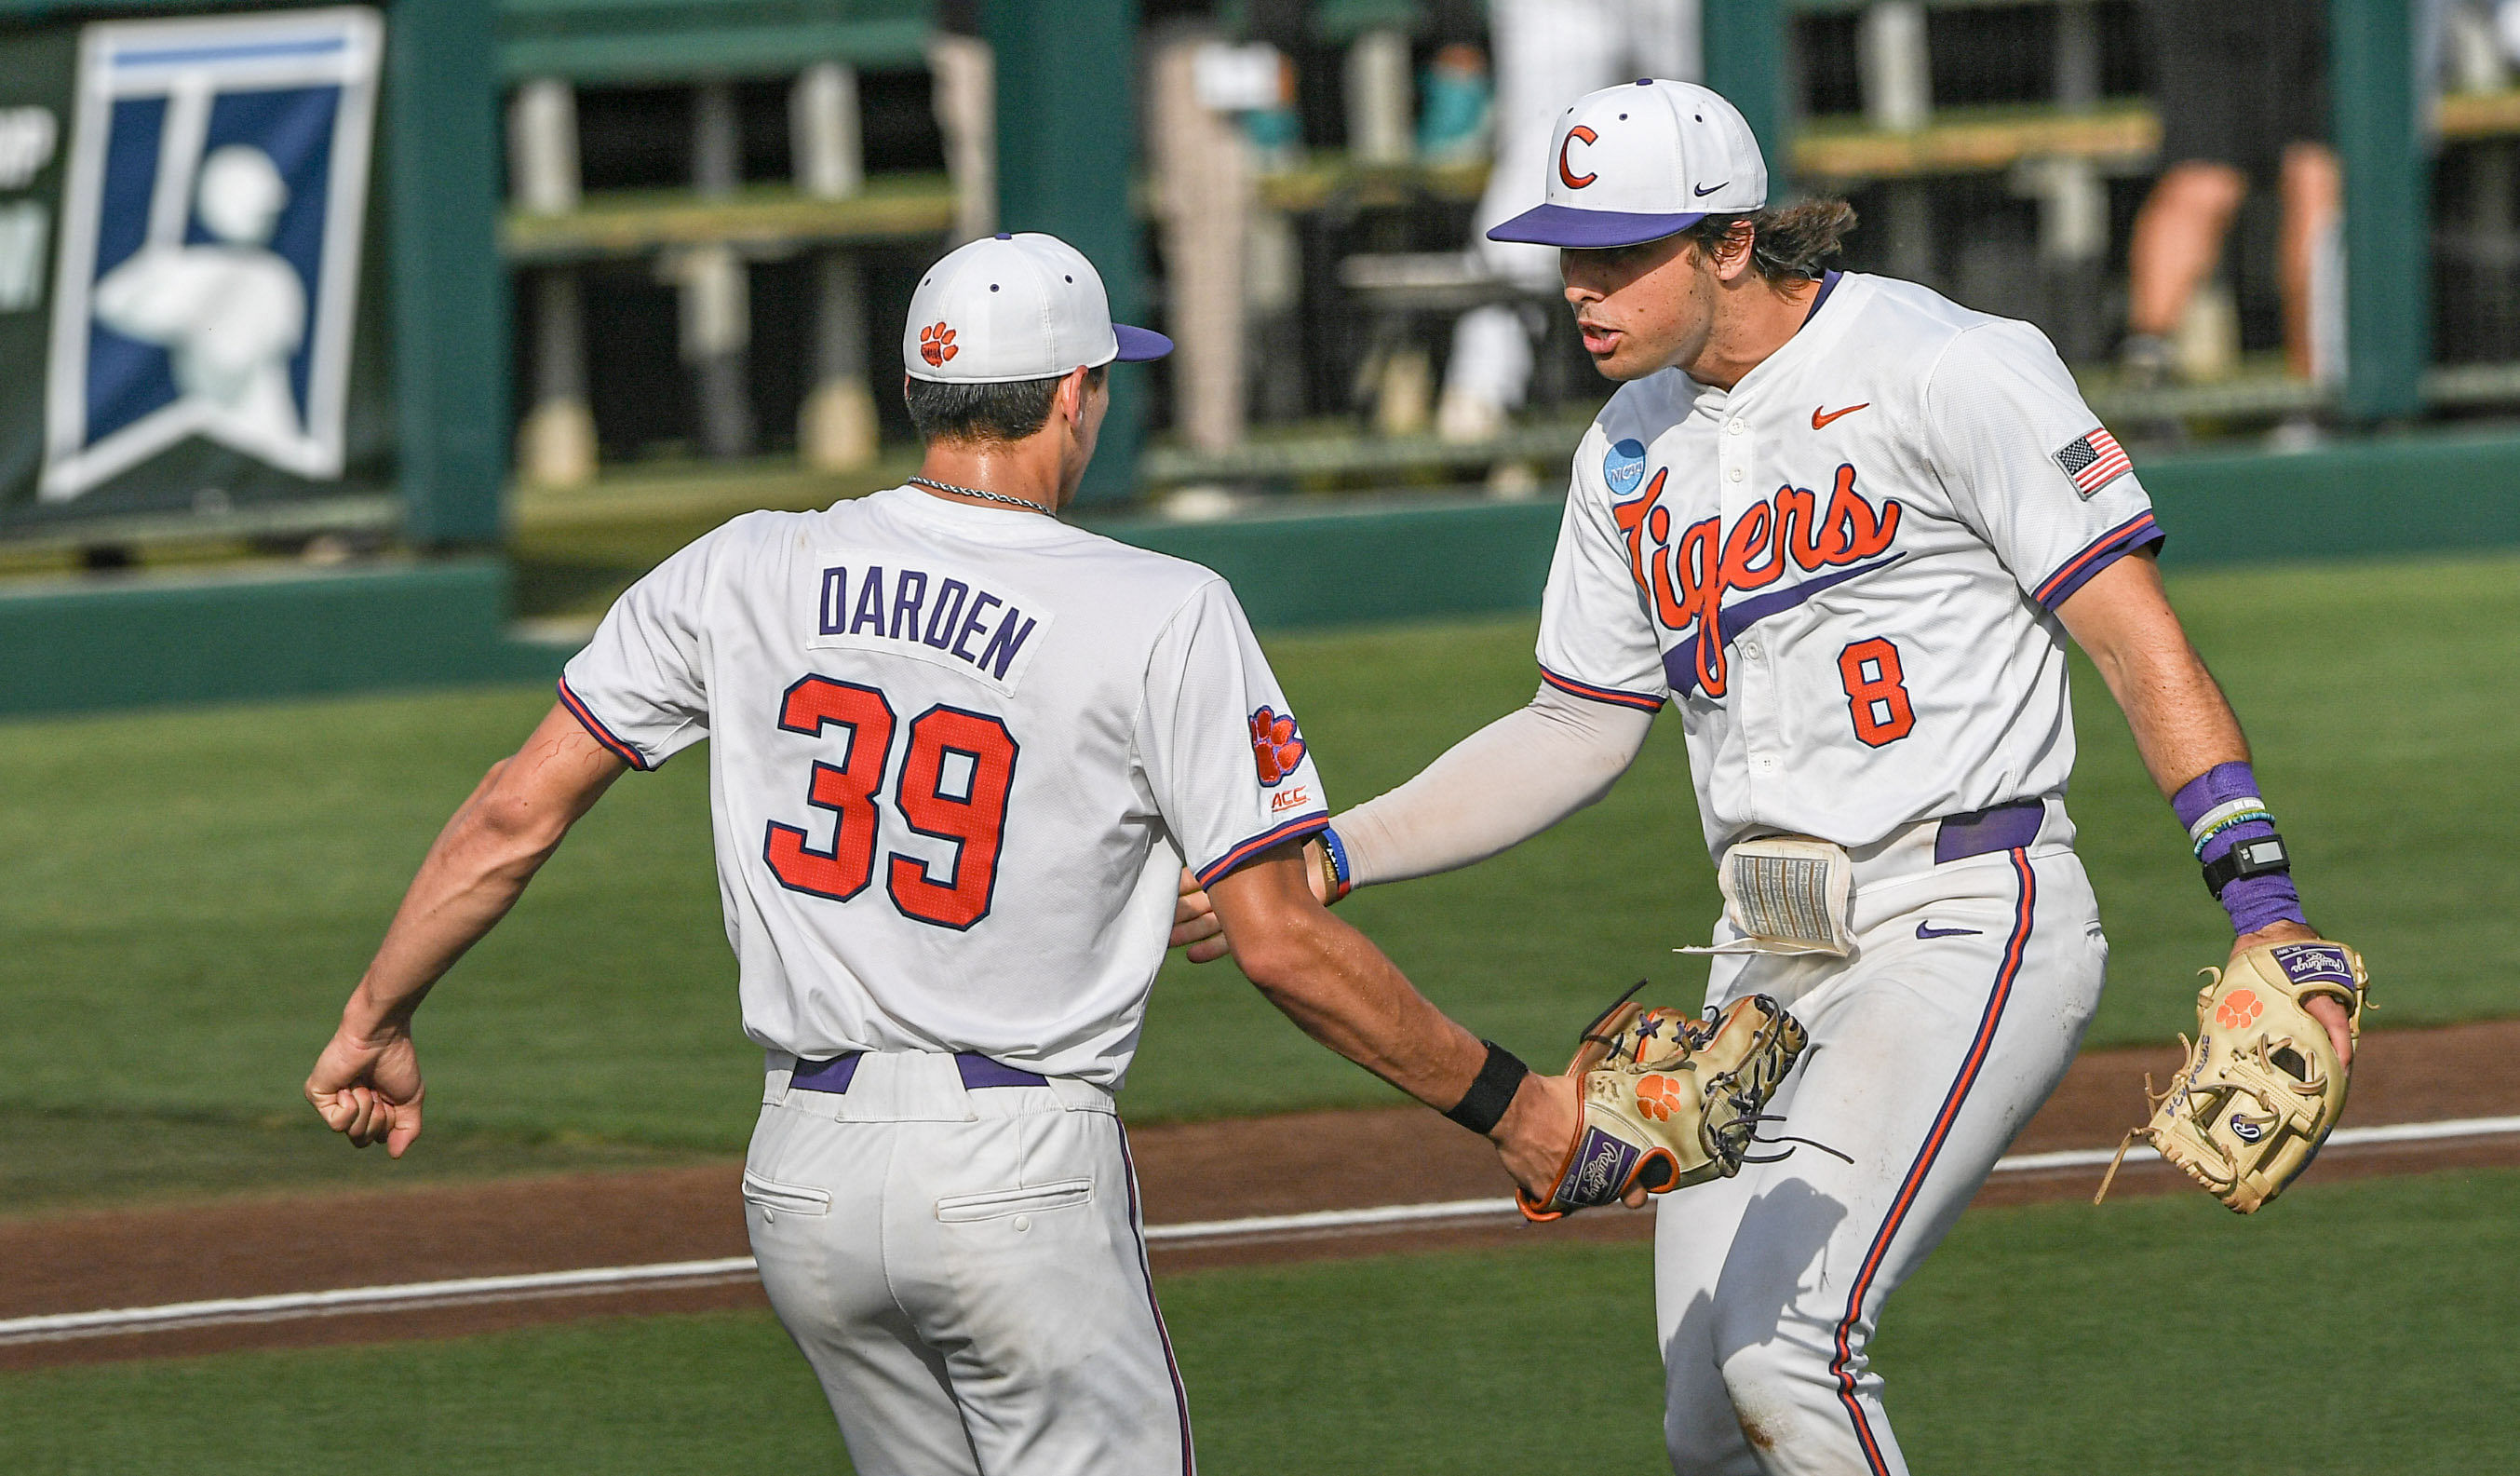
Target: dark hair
(944, 410)
(1786, 244)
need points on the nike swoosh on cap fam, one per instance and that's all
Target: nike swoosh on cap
(1819, 422)
(1927, 929)
(1703, 191)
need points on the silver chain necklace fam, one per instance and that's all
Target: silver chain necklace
(982, 495)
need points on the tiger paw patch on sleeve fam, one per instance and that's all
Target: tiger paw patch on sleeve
(1275, 744)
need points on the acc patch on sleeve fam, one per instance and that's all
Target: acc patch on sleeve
(2092, 461)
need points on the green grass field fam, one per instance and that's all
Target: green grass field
(2150, 1335)
(191, 894)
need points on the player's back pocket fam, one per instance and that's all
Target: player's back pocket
(1031, 1199)
(790, 1199)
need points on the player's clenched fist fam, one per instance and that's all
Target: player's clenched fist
(369, 1089)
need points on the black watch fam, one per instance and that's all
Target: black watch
(2248, 858)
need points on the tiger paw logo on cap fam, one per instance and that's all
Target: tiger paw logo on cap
(936, 345)
(2243, 1007)
(1275, 744)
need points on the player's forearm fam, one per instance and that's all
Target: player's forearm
(1500, 786)
(515, 818)
(2182, 724)
(1336, 985)
(452, 904)
(2191, 741)
(1338, 988)
(478, 866)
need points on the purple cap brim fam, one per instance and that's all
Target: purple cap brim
(1139, 344)
(1590, 230)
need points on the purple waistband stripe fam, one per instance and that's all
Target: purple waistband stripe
(977, 1070)
(834, 1075)
(1983, 832)
(980, 1071)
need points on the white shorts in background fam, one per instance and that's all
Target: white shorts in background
(965, 1270)
(1963, 1003)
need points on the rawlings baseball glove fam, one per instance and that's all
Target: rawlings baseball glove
(2263, 1087)
(1669, 1099)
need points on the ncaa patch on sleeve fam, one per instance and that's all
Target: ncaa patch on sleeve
(2092, 461)
(1624, 467)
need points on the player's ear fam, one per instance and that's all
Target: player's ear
(1731, 257)
(1076, 395)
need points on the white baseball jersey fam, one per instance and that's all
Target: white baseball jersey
(957, 756)
(1844, 569)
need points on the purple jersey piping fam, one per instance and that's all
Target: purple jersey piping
(596, 729)
(1842, 1366)
(1637, 700)
(1163, 1335)
(1302, 825)
(2103, 551)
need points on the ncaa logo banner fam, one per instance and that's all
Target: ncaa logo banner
(205, 262)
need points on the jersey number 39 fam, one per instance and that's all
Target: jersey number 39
(963, 801)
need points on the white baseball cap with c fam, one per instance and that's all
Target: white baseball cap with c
(1640, 162)
(1016, 307)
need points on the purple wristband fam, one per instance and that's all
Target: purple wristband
(2258, 902)
(2252, 902)
(2221, 783)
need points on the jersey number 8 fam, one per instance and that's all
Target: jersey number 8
(1877, 691)
(972, 814)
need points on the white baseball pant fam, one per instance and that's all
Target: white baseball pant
(1959, 1010)
(965, 1269)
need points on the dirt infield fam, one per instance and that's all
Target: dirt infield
(80, 1262)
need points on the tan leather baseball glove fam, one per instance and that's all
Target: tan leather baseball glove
(1670, 1099)
(2263, 1087)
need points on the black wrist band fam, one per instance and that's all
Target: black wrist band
(2248, 858)
(1483, 1106)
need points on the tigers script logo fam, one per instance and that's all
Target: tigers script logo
(1687, 577)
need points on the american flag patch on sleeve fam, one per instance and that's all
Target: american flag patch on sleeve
(2093, 461)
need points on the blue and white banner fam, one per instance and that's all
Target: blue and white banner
(206, 279)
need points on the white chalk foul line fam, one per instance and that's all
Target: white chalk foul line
(2342, 1138)
(596, 1280)
(354, 1299)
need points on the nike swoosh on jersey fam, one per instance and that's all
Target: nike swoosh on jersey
(1680, 663)
(1929, 929)
(1819, 422)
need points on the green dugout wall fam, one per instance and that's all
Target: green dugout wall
(1421, 558)
(1422, 561)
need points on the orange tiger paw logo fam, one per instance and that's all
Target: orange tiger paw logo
(1658, 1097)
(2240, 1008)
(936, 345)
(1275, 744)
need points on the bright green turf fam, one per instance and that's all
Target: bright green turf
(190, 894)
(2152, 1335)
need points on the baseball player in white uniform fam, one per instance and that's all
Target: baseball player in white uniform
(1843, 524)
(959, 754)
